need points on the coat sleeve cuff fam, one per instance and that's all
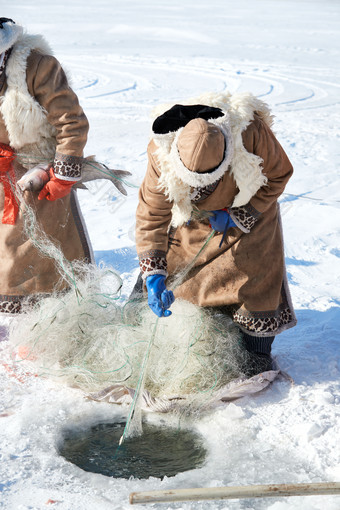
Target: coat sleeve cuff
(152, 262)
(244, 217)
(67, 168)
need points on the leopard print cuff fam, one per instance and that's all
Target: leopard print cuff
(10, 306)
(13, 305)
(245, 217)
(264, 323)
(67, 168)
(199, 194)
(153, 262)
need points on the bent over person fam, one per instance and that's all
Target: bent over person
(214, 162)
(41, 123)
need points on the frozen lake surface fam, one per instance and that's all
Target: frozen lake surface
(125, 57)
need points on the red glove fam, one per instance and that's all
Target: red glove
(55, 188)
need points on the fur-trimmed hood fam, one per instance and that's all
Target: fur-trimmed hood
(198, 179)
(176, 181)
(25, 120)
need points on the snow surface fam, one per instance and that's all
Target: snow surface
(124, 58)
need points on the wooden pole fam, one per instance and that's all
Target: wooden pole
(236, 492)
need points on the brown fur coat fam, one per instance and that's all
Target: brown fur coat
(35, 88)
(247, 274)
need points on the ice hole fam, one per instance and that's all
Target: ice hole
(160, 451)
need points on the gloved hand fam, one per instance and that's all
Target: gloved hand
(159, 298)
(55, 188)
(221, 222)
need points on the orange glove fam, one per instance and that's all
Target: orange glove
(55, 188)
(7, 178)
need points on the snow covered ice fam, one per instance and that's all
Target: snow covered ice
(125, 57)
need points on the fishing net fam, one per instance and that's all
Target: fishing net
(89, 338)
(86, 337)
(118, 351)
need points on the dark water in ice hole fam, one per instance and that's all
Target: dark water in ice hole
(160, 451)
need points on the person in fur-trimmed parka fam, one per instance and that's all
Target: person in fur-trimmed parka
(41, 123)
(218, 155)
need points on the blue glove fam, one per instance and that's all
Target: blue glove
(221, 222)
(159, 298)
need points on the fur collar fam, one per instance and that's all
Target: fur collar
(197, 179)
(25, 120)
(176, 180)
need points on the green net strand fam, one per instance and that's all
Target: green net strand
(134, 418)
(141, 381)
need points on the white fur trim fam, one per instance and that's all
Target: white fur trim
(153, 272)
(222, 100)
(9, 34)
(202, 179)
(28, 129)
(245, 167)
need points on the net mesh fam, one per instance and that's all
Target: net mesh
(90, 338)
(91, 341)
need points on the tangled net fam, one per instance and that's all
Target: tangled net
(88, 338)
(91, 342)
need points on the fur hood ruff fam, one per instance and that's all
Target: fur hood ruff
(176, 180)
(26, 123)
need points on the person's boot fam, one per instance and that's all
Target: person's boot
(259, 358)
(257, 363)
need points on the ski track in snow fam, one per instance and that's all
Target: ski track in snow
(295, 84)
(290, 432)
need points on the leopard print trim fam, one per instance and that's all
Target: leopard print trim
(264, 322)
(14, 304)
(153, 262)
(199, 194)
(245, 216)
(67, 167)
(11, 307)
(3, 61)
